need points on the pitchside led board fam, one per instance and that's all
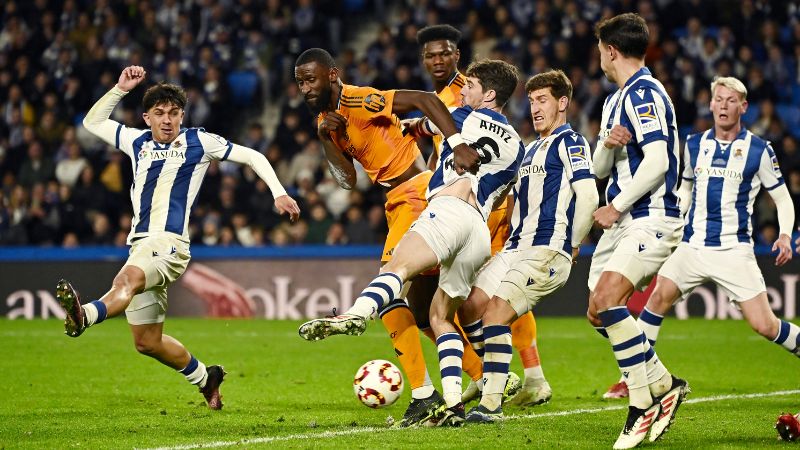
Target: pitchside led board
(299, 283)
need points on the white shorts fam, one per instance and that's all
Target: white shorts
(458, 235)
(162, 258)
(523, 277)
(636, 250)
(734, 270)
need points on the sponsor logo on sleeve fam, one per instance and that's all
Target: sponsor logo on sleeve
(578, 158)
(775, 166)
(374, 103)
(648, 120)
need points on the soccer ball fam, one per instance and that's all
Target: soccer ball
(788, 426)
(378, 383)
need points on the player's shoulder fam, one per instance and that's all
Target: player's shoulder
(758, 142)
(366, 97)
(693, 140)
(459, 80)
(644, 89)
(205, 137)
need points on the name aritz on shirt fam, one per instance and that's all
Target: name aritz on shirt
(496, 129)
(717, 172)
(162, 154)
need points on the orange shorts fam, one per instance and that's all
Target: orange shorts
(404, 204)
(498, 227)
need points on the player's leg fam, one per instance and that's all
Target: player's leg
(535, 390)
(763, 321)
(412, 256)
(128, 282)
(402, 321)
(146, 315)
(497, 353)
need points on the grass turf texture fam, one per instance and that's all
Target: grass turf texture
(97, 392)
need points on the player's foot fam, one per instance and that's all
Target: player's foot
(788, 426)
(317, 329)
(532, 394)
(481, 414)
(69, 299)
(617, 390)
(216, 375)
(513, 386)
(637, 425)
(471, 392)
(453, 416)
(670, 402)
(421, 410)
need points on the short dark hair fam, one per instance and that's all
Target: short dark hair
(317, 55)
(627, 32)
(438, 33)
(556, 80)
(164, 94)
(496, 75)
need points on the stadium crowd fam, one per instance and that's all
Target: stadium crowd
(60, 186)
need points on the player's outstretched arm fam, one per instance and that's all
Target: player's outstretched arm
(783, 203)
(466, 158)
(262, 168)
(97, 119)
(340, 165)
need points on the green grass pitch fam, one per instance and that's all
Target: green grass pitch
(97, 392)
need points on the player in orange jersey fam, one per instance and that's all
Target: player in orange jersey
(440, 57)
(359, 123)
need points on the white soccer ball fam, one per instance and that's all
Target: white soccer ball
(378, 383)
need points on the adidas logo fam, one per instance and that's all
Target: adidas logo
(642, 248)
(530, 282)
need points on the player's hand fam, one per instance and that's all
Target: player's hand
(618, 137)
(784, 247)
(130, 77)
(333, 122)
(466, 159)
(606, 216)
(287, 205)
(575, 252)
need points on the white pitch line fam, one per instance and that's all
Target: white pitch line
(360, 430)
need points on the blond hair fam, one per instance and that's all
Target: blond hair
(731, 83)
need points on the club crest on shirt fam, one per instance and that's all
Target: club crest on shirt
(177, 144)
(374, 103)
(648, 120)
(578, 158)
(737, 153)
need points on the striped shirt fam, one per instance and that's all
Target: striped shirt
(644, 108)
(544, 201)
(500, 150)
(727, 178)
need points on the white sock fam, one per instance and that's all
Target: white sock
(424, 391)
(627, 342)
(451, 352)
(195, 372)
(379, 293)
(90, 312)
(496, 362)
(535, 375)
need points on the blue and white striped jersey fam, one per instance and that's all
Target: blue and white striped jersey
(544, 201)
(167, 177)
(727, 178)
(500, 149)
(645, 109)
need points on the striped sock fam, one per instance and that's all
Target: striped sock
(195, 372)
(789, 337)
(383, 289)
(658, 377)
(94, 312)
(650, 323)
(451, 349)
(601, 331)
(474, 332)
(496, 361)
(627, 341)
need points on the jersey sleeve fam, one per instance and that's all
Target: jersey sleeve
(647, 115)
(573, 150)
(769, 171)
(215, 146)
(688, 170)
(124, 138)
(368, 103)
